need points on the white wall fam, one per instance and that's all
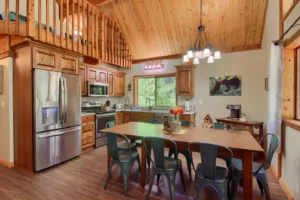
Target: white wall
(6, 113)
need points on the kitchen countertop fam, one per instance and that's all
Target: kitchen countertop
(153, 111)
(87, 113)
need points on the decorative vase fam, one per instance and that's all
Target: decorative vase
(175, 125)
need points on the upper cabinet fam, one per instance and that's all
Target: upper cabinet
(119, 87)
(48, 58)
(115, 79)
(185, 80)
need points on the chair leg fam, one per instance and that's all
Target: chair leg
(108, 174)
(158, 176)
(139, 162)
(125, 181)
(171, 180)
(264, 181)
(151, 184)
(198, 190)
(234, 184)
(170, 152)
(189, 165)
(222, 191)
(182, 178)
(261, 187)
(149, 159)
(267, 191)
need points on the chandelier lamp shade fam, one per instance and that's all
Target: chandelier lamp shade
(201, 50)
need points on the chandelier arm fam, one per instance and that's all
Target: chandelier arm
(205, 38)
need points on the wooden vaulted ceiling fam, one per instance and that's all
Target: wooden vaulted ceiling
(157, 28)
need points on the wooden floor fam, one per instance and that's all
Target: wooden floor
(84, 177)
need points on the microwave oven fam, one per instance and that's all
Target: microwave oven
(96, 89)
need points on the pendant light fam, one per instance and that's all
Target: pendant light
(199, 50)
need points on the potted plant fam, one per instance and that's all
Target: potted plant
(175, 124)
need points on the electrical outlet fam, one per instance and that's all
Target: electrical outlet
(2, 104)
(201, 102)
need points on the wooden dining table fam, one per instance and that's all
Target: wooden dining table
(242, 144)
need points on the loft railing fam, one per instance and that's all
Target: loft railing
(75, 25)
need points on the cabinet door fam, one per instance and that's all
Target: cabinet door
(44, 59)
(119, 85)
(119, 117)
(92, 74)
(68, 64)
(185, 81)
(111, 83)
(102, 76)
(126, 117)
(82, 74)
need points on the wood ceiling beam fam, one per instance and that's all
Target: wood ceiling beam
(100, 2)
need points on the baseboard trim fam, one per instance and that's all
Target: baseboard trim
(7, 164)
(284, 187)
(275, 172)
(286, 190)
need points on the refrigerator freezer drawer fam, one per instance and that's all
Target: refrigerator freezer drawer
(54, 147)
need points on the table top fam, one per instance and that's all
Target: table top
(234, 121)
(241, 140)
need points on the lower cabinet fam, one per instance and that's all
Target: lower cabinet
(88, 131)
(187, 117)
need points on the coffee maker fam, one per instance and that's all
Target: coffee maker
(235, 111)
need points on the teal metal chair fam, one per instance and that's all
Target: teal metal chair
(259, 169)
(123, 158)
(221, 126)
(185, 152)
(208, 173)
(163, 165)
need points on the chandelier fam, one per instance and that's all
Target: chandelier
(199, 51)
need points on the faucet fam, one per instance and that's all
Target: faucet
(148, 100)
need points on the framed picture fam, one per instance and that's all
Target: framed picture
(267, 84)
(225, 86)
(1, 78)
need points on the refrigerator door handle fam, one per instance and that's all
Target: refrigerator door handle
(61, 100)
(66, 100)
(57, 133)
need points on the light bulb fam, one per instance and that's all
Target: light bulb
(206, 52)
(196, 61)
(217, 55)
(210, 59)
(185, 58)
(190, 54)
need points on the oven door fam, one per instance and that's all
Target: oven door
(96, 89)
(101, 121)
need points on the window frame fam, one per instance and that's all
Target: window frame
(135, 86)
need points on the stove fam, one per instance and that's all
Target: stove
(102, 118)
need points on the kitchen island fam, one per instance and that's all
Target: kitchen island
(138, 115)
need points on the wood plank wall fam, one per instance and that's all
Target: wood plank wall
(79, 27)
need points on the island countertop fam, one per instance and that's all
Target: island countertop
(155, 111)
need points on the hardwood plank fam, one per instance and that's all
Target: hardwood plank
(47, 22)
(30, 28)
(73, 24)
(54, 24)
(79, 26)
(67, 26)
(17, 16)
(40, 20)
(6, 17)
(61, 21)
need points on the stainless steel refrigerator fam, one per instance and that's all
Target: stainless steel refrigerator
(57, 118)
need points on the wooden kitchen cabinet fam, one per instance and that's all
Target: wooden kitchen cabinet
(188, 117)
(185, 80)
(44, 59)
(119, 87)
(92, 74)
(111, 83)
(102, 76)
(68, 64)
(82, 74)
(88, 131)
(48, 58)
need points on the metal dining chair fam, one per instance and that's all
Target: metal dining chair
(208, 173)
(123, 158)
(221, 126)
(163, 165)
(185, 152)
(259, 169)
(121, 145)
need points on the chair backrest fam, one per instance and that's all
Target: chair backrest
(157, 145)
(188, 123)
(274, 143)
(218, 125)
(112, 144)
(154, 121)
(112, 123)
(209, 155)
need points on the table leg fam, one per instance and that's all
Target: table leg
(248, 175)
(143, 166)
(261, 134)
